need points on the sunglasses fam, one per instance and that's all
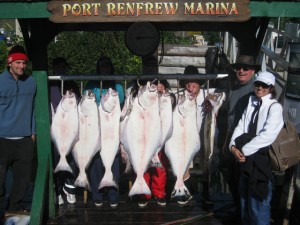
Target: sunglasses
(261, 84)
(245, 68)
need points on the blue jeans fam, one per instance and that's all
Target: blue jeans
(254, 210)
(96, 172)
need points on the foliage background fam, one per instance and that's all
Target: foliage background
(3, 55)
(82, 50)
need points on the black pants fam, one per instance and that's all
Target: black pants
(17, 154)
(231, 171)
(64, 177)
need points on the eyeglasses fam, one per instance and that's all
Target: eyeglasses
(261, 84)
(245, 68)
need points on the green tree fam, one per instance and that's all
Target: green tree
(3, 56)
(82, 49)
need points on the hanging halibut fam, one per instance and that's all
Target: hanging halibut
(166, 121)
(141, 135)
(184, 142)
(110, 113)
(89, 142)
(64, 129)
(126, 110)
(210, 155)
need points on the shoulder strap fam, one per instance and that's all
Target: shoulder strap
(270, 107)
(285, 118)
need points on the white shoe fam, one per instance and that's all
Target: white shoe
(184, 200)
(70, 197)
(60, 200)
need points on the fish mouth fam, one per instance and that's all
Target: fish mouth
(90, 94)
(190, 96)
(166, 94)
(70, 93)
(153, 88)
(114, 93)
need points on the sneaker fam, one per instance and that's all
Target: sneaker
(60, 200)
(161, 201)
(143, 203)
(70, 197)
(183, 200)
(114, 204)
(98, 203)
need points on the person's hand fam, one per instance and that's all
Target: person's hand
(238, 154)
(161, 88)
(33, 137)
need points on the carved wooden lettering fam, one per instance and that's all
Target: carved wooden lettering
(85, 11)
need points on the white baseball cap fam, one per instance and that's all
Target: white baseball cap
(266, 77)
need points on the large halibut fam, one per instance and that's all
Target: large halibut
(141, 135)
(184, 142)
(64, 129)
(110, 113)
(89, 142)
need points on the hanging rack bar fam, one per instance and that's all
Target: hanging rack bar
(133, 77)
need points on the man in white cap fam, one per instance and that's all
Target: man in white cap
(17, 127)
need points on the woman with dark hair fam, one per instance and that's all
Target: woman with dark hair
(259, 126)
(96, 169)
(104, 66)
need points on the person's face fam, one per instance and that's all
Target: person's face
(261, 89)
(17, 68)
(60, 69)
(105, 68)
(244, 73)
(193, 88)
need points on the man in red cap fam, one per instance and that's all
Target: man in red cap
(17, 128)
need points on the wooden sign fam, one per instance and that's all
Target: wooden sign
(88, 11)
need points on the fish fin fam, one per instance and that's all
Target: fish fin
(128, 167)
(108, 181)
(125, 159)
(139, 187)
(82, 181)
(63, 166)
(155, 162)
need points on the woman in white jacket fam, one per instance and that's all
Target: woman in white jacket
(256, 131)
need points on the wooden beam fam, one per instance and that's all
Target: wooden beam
(21, 10)
(274, 9)
(12, 10)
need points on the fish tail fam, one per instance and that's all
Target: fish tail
(155, 161)
(82, 181)
(180, 190)
(139, 187)
(63, 165)
(108, 181)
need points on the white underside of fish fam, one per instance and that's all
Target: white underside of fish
(64, 131)
(166, 120)
(89, 142)
(141, 138)
(110, 138)
(183, 145)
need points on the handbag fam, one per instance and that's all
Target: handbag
(285, 150)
